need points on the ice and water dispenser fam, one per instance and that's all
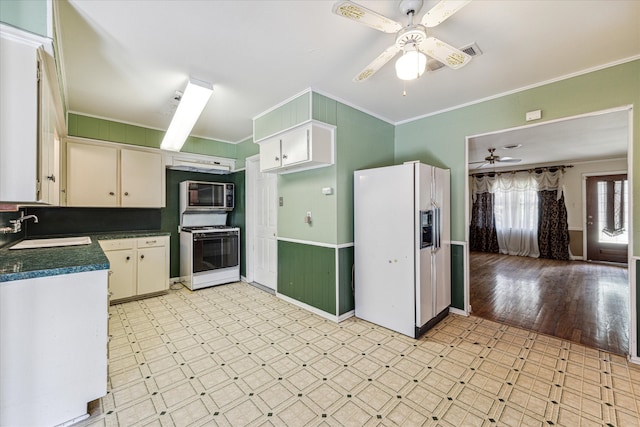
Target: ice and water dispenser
(426, 228)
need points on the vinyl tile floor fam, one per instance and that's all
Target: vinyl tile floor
(234, 355)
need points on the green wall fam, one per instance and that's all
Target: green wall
(244, 149)
(30, 15)
(307, 273)
(362, 141)
(289, 114)
(107, 130)
(301, 192)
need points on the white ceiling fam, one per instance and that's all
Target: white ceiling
(597, 136)
(124, 60)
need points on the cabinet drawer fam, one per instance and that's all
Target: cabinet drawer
(116, 244)
(150, 242)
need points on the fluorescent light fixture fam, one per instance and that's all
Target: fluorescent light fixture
(411, 64)
(193, 101)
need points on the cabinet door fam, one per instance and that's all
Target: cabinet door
(49, 148)
(295, 146)
(142, 177)
(122, 281)
(270, 154)
(152, 270)
(92, 175)
(18, 120)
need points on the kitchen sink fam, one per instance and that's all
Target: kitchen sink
(51, 243)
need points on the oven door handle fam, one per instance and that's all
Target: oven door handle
(215, 236)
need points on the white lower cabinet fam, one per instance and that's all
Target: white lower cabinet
(138, 266)
(53, 352)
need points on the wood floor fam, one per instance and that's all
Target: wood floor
(583, 302)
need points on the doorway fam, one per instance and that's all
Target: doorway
(262, 225)
(607, 224)
(585, 141)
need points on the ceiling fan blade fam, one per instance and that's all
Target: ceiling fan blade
(376, 64)
(448, 55)
(442, 11)
(508, 160)
(366, 16)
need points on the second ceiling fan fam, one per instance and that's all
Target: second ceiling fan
(411, 40)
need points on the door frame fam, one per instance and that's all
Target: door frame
(252, 165)
(633, 326)
(252, 169)
(584, 210)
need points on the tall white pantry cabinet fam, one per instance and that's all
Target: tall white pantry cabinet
(31, 119)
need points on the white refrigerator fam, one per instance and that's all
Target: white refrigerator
(402, 246)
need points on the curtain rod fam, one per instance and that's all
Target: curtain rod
(542, 168)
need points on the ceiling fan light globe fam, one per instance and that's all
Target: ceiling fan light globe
(411, 65)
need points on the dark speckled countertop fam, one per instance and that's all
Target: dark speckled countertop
(20, 264)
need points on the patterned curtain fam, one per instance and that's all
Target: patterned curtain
(553, 229)
(482, 235)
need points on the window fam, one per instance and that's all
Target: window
(612, 213)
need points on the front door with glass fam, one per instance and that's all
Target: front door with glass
(607, 218)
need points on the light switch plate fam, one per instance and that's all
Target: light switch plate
(533, 115)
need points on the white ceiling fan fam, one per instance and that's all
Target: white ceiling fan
(493, 158)
(411, 40)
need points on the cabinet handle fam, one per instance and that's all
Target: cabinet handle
(128, 258)
(142, 256)
(126, 193)
(111, 193)
(51, 178)
(151, 242)
(284, 157)
(277, 158)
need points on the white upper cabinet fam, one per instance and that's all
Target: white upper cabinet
(92, 175)
(107, 175)
(142, 175)
(270, 154)
(30, 119)
(307, 146)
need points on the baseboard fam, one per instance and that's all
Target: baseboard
(457, 311)
(262, 288)
(345, 316)
(310, 308)
(634, 360)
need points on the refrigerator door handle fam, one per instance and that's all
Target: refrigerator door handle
(436, 227)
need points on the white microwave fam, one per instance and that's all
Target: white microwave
(206, 196)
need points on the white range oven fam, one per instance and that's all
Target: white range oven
(209, 255)
(209, 248)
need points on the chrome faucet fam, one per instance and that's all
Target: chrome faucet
(16, 224)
